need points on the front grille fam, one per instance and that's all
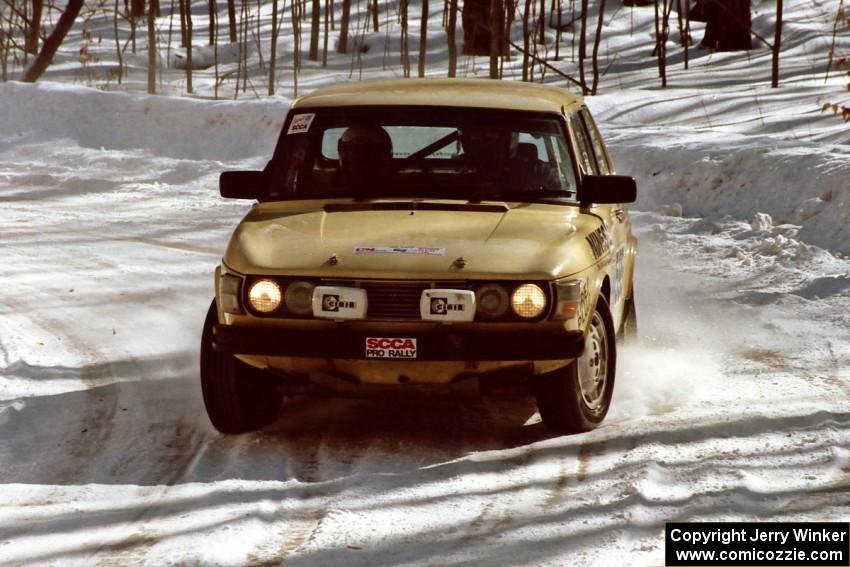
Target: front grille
(396, 299)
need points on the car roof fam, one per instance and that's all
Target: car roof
(464, 93)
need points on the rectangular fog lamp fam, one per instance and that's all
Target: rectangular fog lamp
(447, 305)
(332, 302)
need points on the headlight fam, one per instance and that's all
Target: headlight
(299, 298)
(492, 301)
(528, 301)
(264, 296)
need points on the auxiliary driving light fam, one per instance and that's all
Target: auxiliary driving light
(491, 300)
(299, 298)
(528, 301)
(264, 296)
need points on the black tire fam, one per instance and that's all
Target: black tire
(238, 397)
(561, 402)
(629, 327)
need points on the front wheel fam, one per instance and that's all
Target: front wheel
(238, 397)
(576, 398)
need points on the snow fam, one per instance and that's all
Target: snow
(733, 405)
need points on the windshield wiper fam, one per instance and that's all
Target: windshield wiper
(516, 195)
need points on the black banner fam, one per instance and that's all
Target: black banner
(758, 544)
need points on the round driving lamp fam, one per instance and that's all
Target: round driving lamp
(299, 298)
(264, 296)
(528, 301)
(491, 301)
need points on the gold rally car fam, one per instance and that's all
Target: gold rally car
(419, 234)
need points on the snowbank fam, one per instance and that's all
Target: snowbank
(165, 126)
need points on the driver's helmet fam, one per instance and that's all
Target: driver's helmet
(488, 146)
(365, 153)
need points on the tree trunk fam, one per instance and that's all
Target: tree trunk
(450, 35)
(48, 50)
(137, 8)
(375, 22)
(497, 24)
(343, 26)
(405, 50)
(151, 51)
(34, 29)
(296, 47)
(118, 44)
(315, 20)
(188, 10)
(526, 14)
(325, 38)
(541, 32)
(231, 19)
(582, 47)
(777, 43)
(477, 22)
(273, 53)
(213, 11)
(423, 38)
(596, 40)
(728, 25)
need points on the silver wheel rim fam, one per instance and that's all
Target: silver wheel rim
(593, 364)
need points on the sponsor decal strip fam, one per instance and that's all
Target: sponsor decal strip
(414, 250)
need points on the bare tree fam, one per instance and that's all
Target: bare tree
(54, 40)
(325, 38)
(118, 49)
(497, 24)
(315, 20)
(450, 36)
(423, 38)
(728, 25)
(231, 20)
(273, 52)
(213, 13)
(343, 26)
(151, 50)
(296, 48)
(405, 49)
(526, 52)
(777, 44)
(34, 28)
(187, 10)
(582, 47)
(595, 56)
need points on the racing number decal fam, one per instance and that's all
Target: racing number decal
(619, 278)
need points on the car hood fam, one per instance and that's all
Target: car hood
(391, 239)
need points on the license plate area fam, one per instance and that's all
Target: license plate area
(391, 348)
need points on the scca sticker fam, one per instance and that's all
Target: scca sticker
(383, 347)
(300, 123)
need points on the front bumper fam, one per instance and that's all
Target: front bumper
(442, 344)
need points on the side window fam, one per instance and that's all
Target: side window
(596, 141)
(585, 151)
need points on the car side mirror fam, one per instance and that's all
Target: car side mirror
(608, 189)
(242, 184)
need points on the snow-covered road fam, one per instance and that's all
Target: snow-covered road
(735, 404)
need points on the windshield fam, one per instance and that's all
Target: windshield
(445, 153)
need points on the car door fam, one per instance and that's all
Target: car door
(594, 160)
